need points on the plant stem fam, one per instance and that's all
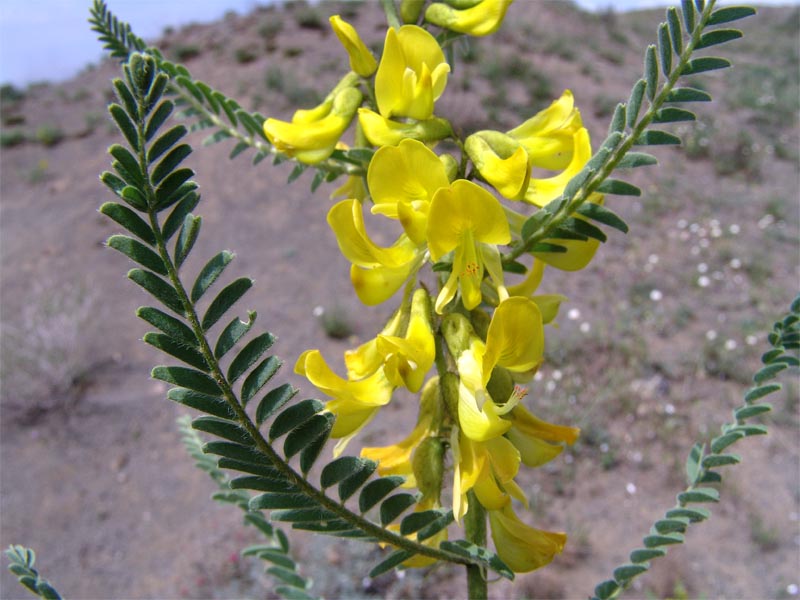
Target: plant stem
(475, 530)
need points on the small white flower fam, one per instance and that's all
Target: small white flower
(669, 408)
(653, 259)
(585, 327)
(736, 263)
(730, 345)
(711, 335)
(557, 375)
(630, 488)
(573, 314)
(682, 223)
(702, 268)
(751, 340)
(703, 281)
(318, 311)
(792, 589)
(656, 295)
(734, 229)
(704, 243)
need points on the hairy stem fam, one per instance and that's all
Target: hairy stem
(475, 529)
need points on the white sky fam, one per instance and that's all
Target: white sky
(51, 40)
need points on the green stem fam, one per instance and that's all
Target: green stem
(475, 530)
(392, 18)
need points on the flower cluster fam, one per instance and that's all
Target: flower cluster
(484, 334)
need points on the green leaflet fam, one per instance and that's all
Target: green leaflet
(273, 401)
(224, 301)
(394, 506)
(292, 417)
(249, 355)
(377, 490)
(137, 252)
(165, 141)
(188, 378)
(186, 238)
(158, 288)
(182, 352)
(209, 274)
(259, 377)
(129, 220)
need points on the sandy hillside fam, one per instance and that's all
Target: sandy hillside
(655, 346)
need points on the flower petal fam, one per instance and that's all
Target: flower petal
(520, 546)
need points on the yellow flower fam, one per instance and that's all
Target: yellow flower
(514, 342)
(412, 74)
(482, 18)
(402, 181)
(377, 273)
(542, 191)
(361, 59)
(386, 132)
(488, 468)
(312, 135)
(408, 359)
(501, 161)
(533, 437)
(520, 546)
(354, 402)
(548, 136)
(466, 218)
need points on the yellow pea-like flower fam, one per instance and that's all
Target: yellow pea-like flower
(481, 18)
(377, 272)
(501, 160)
(354, 402)
(465, 218)
(515, 342)
(548, 136)
(538, 441)
(543, 191)
(361, 59)
(402, 181)
(522, 547)
(312, 134)
(412, 74)
(408, 359)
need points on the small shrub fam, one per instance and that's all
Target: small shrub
(9, 93)
(336, 322)
(49, 135)
(270, 29)
(184, 52)
(245, 55)
(309, 17)
(11, 137)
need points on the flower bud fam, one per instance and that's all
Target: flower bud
(476, 18)
(361, 59)
(449, 387)
(428, 467)
(410, 10)
(458, 333)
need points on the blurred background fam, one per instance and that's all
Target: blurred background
(653, 350)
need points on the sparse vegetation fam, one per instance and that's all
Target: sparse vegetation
(49, 135)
